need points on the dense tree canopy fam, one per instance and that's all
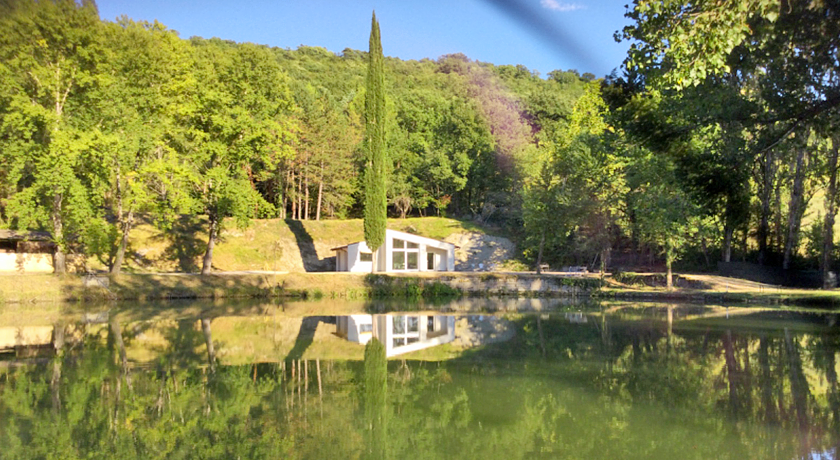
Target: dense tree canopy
(729, 107)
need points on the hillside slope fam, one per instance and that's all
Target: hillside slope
(293, 246)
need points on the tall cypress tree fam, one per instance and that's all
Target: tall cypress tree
(376, 202)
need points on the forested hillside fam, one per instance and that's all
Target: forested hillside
(103, 121)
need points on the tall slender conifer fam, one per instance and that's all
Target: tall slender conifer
(376, 202)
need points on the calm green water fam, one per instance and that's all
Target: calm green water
(570, 382)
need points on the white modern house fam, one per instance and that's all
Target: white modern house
(401, 252)
(399, 333)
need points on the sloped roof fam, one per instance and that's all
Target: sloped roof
(398, 233)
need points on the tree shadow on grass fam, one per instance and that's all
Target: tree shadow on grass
(184, 246)
(308, 253)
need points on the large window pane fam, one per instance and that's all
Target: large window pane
(412, 245)
(399, 260)
(412, 261)
(399, 243)
(399, 324)
(413, 324)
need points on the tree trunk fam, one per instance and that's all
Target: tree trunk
(55, 380)
(793, 208)
(768, 172)
(831, 378)
(605, 261)
(292, 194)
(306, 197)
(777, 215)
(540, 252)
(745, 244)
(207, 265)
(733, 372)
(300, 196)
(766, 381)
(669, 277)
(373, 261)
(828, 227)
(208, 341)
(59, 261)
(119, 257)
(282, 190)
(118, 341)
(727, 242)
(798, 383)
(320, 193)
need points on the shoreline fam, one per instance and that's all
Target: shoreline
(36, 288)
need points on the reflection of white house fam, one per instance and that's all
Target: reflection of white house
(399, 333)
(401, 252)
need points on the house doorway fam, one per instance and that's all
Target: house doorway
(430, 261)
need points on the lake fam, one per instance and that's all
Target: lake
(487, 379)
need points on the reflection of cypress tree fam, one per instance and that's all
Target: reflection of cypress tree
(376, 385)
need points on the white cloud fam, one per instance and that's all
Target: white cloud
(556, 5)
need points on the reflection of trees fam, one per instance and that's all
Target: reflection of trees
(605, 389)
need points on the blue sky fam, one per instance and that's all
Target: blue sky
(542, 35)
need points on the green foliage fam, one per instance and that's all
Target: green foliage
(376, 158)
(686, 42)
(571, 197)
(103, 121)
(47, 132)
(383, 286)
(580, 283)
(732, 91)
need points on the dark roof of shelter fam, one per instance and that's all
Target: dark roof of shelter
(14, 235)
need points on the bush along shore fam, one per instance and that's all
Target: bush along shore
(441, 286)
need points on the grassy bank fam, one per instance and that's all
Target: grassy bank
(50, 288)
(267, 244)
(430, 286)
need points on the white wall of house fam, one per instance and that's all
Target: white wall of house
(26, 262)
(349, 258)
(355, 328)
(401, 252)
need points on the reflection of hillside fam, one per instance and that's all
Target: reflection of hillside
(532, 386)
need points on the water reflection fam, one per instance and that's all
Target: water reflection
(399, 334)
(606, 381)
